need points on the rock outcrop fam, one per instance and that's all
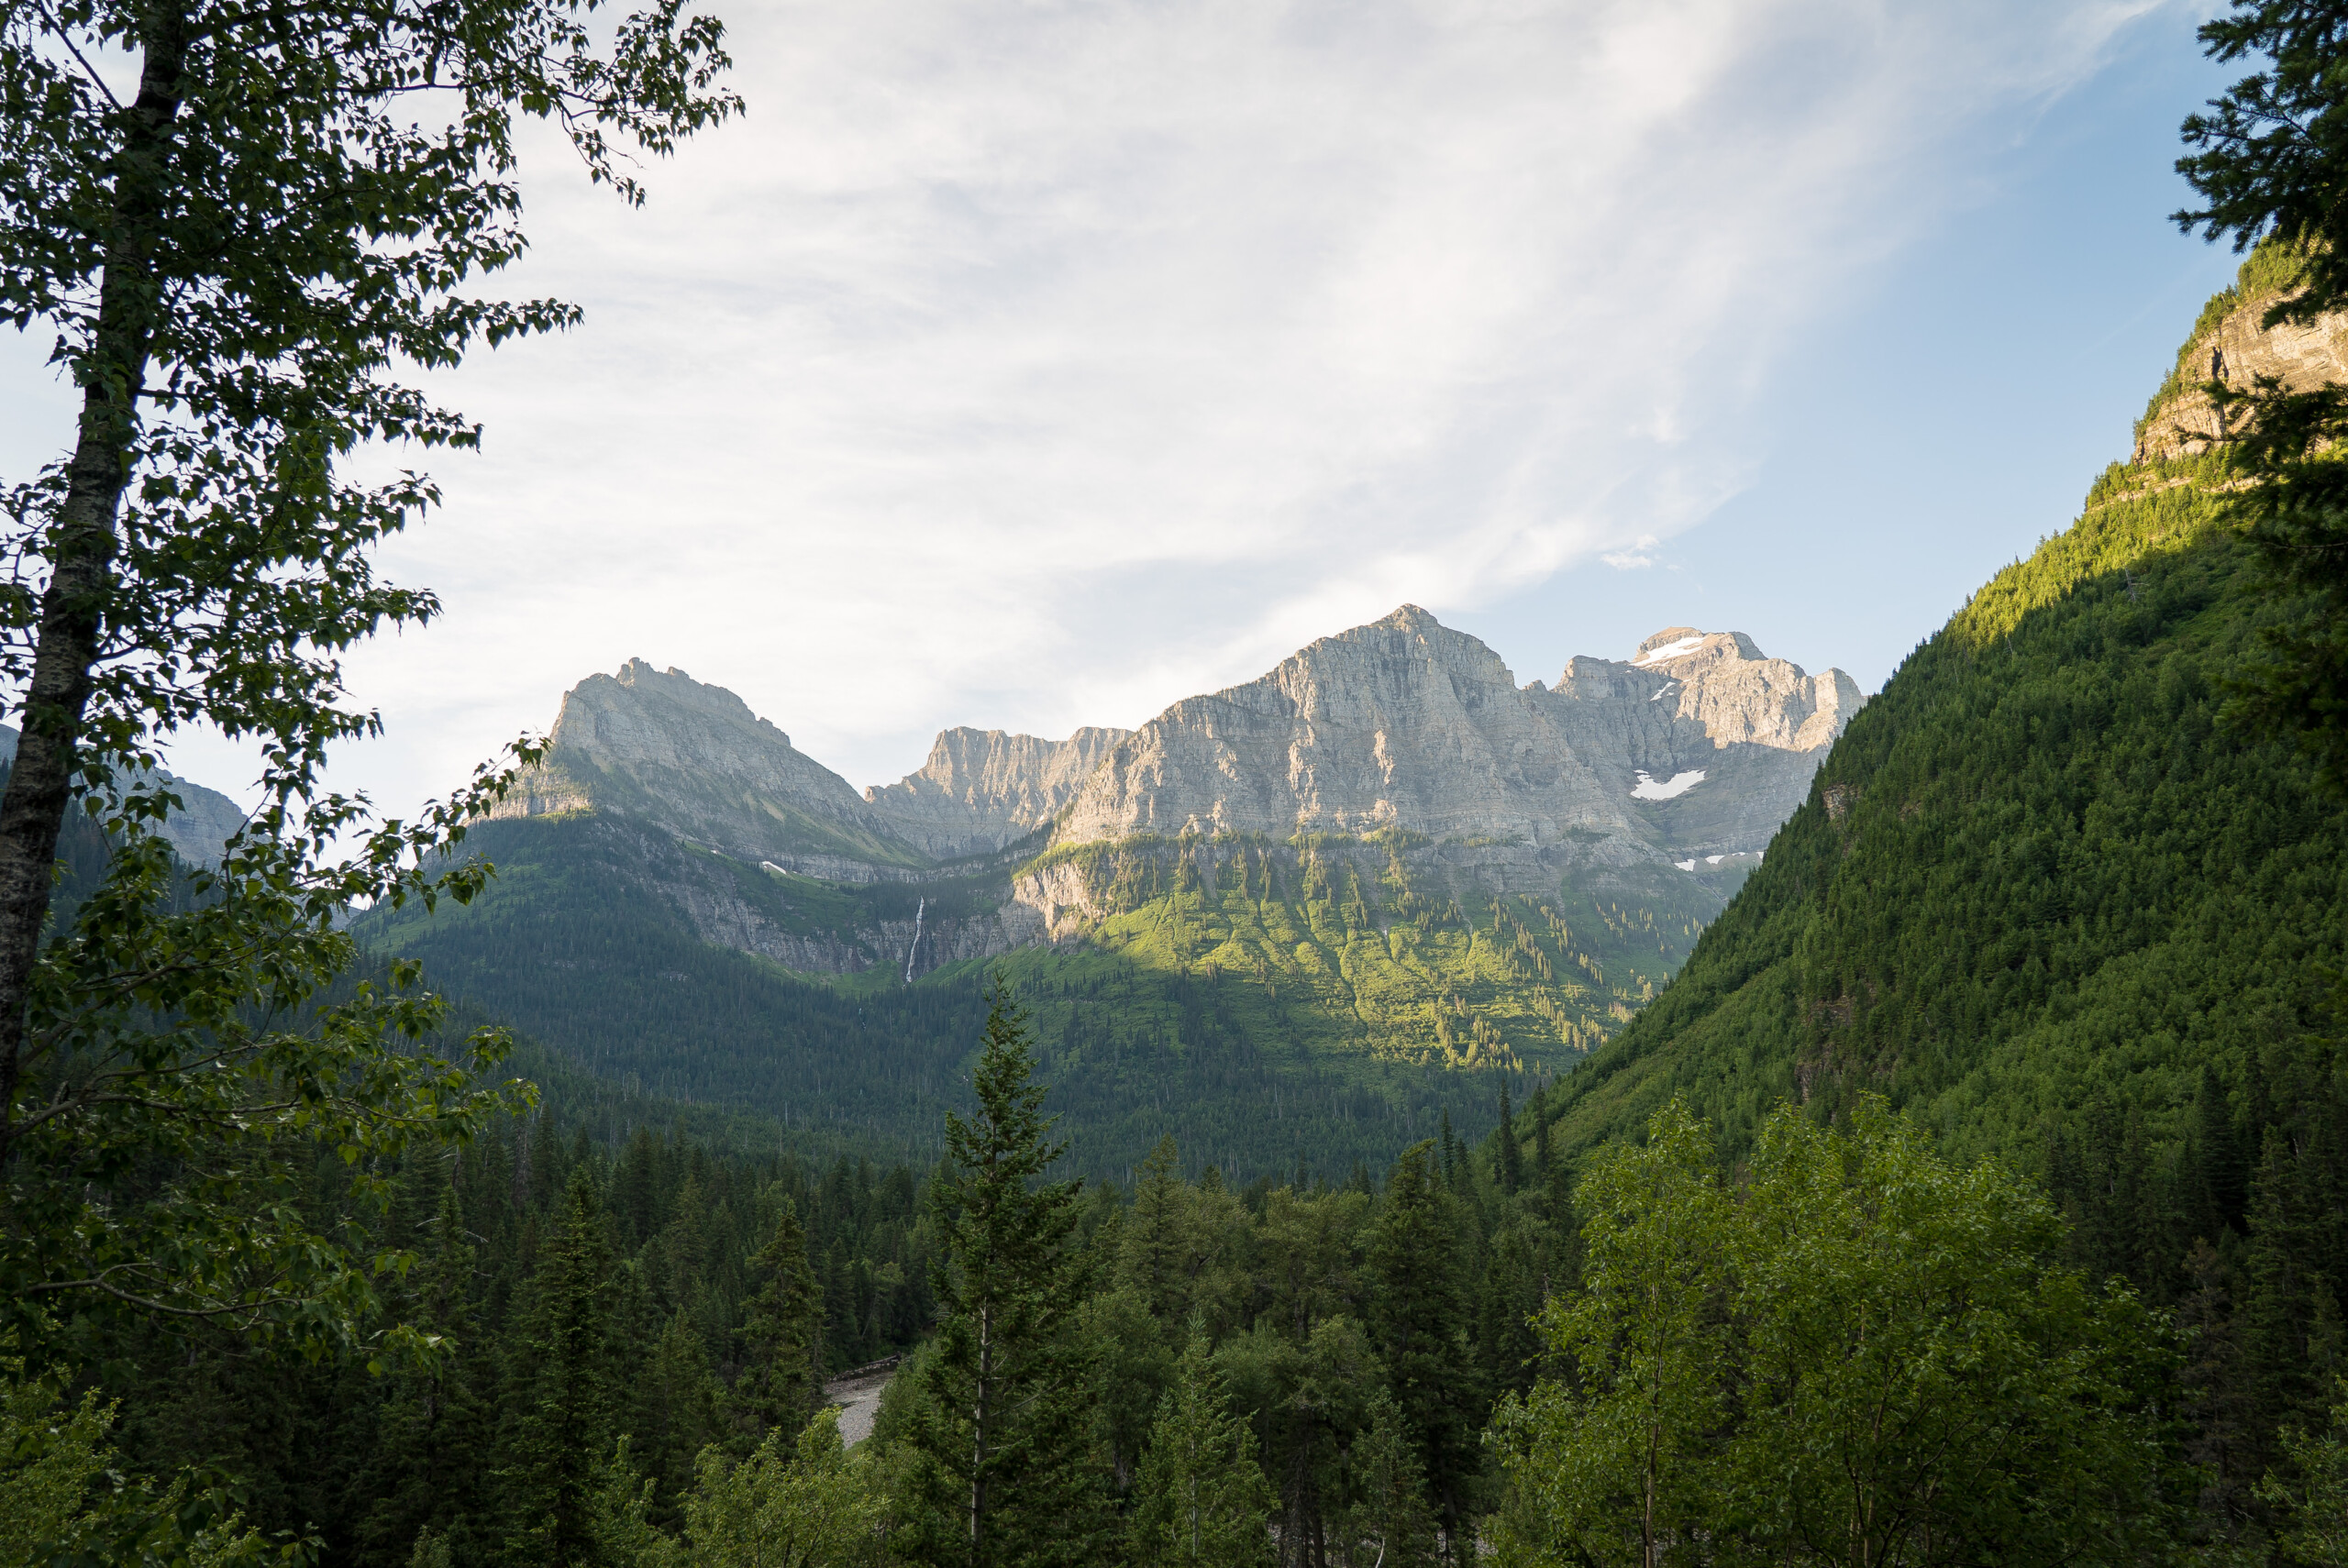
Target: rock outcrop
(661, 746)
(1740, 694)
(982, 790)
(1401, 723)
(195, 831)
(2299, 355)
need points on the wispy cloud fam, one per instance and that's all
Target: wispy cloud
(1031, 364)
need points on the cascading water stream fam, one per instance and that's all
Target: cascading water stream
(915, 945)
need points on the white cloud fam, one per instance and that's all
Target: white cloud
(1640, 554)
(1036, 364)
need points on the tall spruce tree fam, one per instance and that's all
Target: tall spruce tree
(1421, 1315)
(781, 1337)
(1004, 1472)
(1202, 1501)
(560, 1400)
(430, 1442)
(1389, 1525)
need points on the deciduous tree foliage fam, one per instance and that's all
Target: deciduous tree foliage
(234, 244)
(1862, 1355)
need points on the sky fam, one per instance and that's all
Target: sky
(1038, 363)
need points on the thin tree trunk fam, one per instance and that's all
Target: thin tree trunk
(979, 1435)
(73, 607)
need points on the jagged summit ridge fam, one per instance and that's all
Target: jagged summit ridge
(1402, 724)
(1724, 682)
(1699, 743)
(1405, 723)
(693, 757)
(982, 790)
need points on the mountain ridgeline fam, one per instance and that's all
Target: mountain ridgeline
(1285, 915)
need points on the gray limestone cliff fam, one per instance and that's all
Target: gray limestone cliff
(1406, 723)
(661, 746)
(1401, 723)
(982, 790)
(2237, 349)
(1719, 740)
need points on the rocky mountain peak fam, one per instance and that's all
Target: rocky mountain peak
(1698, 742)
(1678, 646)
(1401, 723)
(659, 744)
(1724, 682)
(674, 687)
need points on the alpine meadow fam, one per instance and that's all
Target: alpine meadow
(1387, 1112)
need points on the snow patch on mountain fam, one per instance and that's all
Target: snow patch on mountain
(1679, 784)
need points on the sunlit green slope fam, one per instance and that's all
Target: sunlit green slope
(2040, 888)
(1389, 945)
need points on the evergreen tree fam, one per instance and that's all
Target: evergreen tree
(1547, 1170)
(1202, 1501)
(1003, 1474)
(430, 1442)
(781, 1331)
(675, 1415)
(560, 1402)
(1512, 1164)
(1420, 1313)
(1389, 1525)
(1153, 1251)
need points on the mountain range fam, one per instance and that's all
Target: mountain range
(1695, 748)
(1384, 858)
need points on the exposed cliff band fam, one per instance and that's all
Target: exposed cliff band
(1692, 750)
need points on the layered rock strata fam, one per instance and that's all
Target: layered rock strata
(1406, 723)
(982, 790)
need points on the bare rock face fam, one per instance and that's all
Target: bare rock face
(1694, 749)
(1740, 694)
(1401, 723)
(661, 746)
(2302, 356)
(196, 832)
(982, 790)
(1407, 724)
(1715, 741)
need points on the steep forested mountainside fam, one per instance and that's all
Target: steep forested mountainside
(2048, 899)
(1386, 859)
(1161, 1013)
(2036, 872)
(2039, 873)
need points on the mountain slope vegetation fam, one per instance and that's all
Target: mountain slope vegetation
(2052, 900)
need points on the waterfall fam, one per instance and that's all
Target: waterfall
(913, 946)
